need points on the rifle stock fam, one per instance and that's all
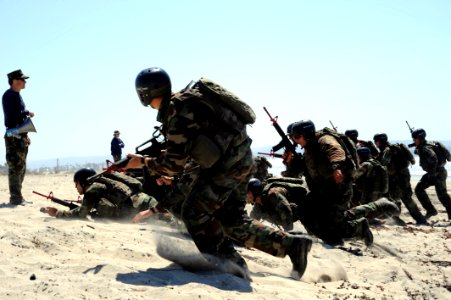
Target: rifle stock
(50, 196)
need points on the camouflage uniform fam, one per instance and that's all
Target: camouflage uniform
(279, 202)
(215, 138)
(436, 176)
(112, 195)
(16, 157)
(323, 213)
(262, 165)
(399, 186)
(369, 182)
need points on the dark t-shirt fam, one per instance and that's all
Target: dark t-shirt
(14, 109)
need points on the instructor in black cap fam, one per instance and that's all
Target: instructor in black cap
(15, 114)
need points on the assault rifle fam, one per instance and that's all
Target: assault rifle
(411, 130)
(153, 148)
(333, 126)
(284, 143)
(67, 203)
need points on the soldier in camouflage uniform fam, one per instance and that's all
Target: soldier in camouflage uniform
(262, 165)
(329, 180)
(112, 195)
(15, 114)
(436, 174)
(276, 201)
(399, 186)
(214, 136)
(353, 134)
(371, 179)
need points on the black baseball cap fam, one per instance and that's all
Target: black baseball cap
(17, 74)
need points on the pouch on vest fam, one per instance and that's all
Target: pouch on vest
(107, 209)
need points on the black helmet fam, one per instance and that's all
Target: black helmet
(151, 83)
(306, 128)
(380, 137)
(419, 134)
(255, 187)
(363, 152)
(353, 134)
(289, 128)
(82, 175)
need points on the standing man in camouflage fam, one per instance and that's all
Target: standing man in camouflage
(15, 114)
(397, 161)
(199, 125)
(329, 175)
(432, 160)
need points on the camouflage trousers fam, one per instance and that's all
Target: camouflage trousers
(375, 209)
(439, 182)
(214, 213)
(400, 188)
(324, 213)
(16, 156)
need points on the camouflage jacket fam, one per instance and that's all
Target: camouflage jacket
(320, 157)
(372, 180)
(429, 161)
(111, 198)
(275, 208)
(211, 135)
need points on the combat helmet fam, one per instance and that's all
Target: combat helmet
(82, 175)
(419, 134)
(306, 128)
(255, 186)
(364, 152)
(353, 134)
(152, 82)
(380, 137)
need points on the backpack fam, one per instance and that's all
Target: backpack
(401, 155)
(297, 191)
(120, 188)
(349, 147)
(379, 173)
(228, 99)
(441, 151)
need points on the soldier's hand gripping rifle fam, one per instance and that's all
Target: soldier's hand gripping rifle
(411, 130)
(151, 148)
(67, 203)
(284, 143)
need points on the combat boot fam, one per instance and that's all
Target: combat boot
(367, 235)
(431, 213)
(298, 253)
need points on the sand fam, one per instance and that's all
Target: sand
(47, 258)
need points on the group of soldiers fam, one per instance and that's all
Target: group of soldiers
(203, 178)
(335, 204)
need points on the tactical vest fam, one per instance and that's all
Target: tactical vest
(401, 156)
(348, 146)
(378, 176)
(120, 189)
(297, 193)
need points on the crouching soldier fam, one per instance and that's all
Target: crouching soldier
(111, 195)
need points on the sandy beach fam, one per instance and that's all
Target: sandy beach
(47, 258)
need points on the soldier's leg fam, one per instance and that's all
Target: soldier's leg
(16, 154)
(442, 193)
(420, 191)
(376, 209)
(406, 197)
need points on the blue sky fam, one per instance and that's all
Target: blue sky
(369, 65)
